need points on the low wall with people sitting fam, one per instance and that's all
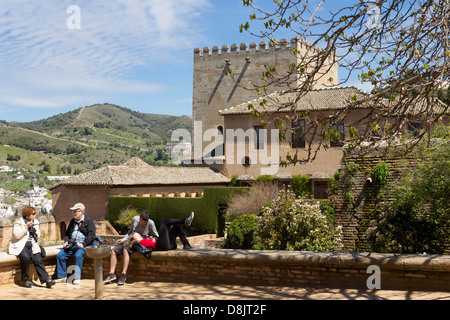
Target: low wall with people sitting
(272, 268)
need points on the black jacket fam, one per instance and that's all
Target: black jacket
(87, 228)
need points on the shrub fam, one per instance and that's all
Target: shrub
(328, 209)
(123, 223)
(418, 219)
(205, 208)
(250, 201)
(240, 232)
(290, 223)
(301, 185)
(381, 172)
(233, 181)
(265, 178)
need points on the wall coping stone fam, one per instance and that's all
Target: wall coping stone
(341, 259)
(254, 267)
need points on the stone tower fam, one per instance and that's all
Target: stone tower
(214, 90)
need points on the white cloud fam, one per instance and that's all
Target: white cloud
(31, 102)
(42, 60)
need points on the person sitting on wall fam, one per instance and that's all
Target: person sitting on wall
(167, 239)
(25, 245)
(80, 234)
(142, 225)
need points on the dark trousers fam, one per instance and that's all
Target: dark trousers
(168, 238)
(25, 257)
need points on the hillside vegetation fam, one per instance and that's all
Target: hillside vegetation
(88, 138)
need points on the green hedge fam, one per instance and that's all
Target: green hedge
(205, 208)
(301, 185)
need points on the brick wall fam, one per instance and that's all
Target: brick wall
(292, 268)
(49, 231)
(356, 218)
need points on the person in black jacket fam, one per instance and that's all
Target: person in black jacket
(80, 234)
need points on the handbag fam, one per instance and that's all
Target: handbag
(43, 253)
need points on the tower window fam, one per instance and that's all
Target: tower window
(298, 135)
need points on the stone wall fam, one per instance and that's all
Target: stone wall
(356, 215)
(49, 230)
(214, 90)
(286, 268)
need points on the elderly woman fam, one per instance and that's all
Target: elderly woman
(25, 245)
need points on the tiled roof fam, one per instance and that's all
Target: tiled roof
(137, 172)
(317, 99)
(327, 99)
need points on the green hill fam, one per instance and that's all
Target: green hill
(90, 137)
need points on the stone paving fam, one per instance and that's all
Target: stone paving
(142, 290)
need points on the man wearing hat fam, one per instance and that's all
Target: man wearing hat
(80, 234)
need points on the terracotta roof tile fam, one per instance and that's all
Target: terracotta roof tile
(326, 99)
(317, 99)
(137, 172)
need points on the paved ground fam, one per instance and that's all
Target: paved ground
(188, 291)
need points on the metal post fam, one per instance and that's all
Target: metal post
(98, 270)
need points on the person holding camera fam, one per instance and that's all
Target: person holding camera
(80, 234)
(25, 245)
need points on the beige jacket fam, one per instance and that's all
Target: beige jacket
(21, 235)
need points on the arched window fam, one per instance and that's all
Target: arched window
(246, 161)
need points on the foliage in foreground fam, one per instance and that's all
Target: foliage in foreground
(250, 201)
(291, 223)
(286, 223)
(418, 219)
(240, 233)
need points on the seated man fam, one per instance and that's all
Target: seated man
(168, 230)
(80, 234)
(144, 226)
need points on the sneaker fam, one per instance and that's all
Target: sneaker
(110, 277)
(76, 281)
(27, 284)
(189, 219)
(187, 247)
(122, 279)
(49, 283)
(60, 280)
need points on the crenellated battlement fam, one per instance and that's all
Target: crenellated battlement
(244, 48)
(213, 90)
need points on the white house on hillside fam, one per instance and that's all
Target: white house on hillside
(6, 210)
(36, 196)
(6, 169)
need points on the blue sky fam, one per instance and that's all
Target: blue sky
(133, 53)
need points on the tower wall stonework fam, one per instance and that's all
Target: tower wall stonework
(214, 90)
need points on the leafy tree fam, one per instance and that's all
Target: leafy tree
(418, 220)
(47, 168)
(398, 47)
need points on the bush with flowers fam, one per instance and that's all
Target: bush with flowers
(291, 223)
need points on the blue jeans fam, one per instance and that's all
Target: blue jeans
(65, 254)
